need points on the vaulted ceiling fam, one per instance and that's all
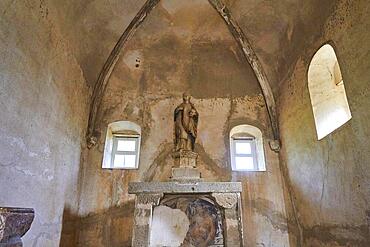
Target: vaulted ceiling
(277, 30)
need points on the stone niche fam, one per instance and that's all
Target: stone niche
(187, 214)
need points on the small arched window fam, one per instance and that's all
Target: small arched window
(246, 149)
(327, 92)
(122, 146)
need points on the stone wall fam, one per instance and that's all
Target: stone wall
(43, 102)
(44, 99)
(329, 179)
(170, 53)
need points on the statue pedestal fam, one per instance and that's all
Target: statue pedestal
(185, 166)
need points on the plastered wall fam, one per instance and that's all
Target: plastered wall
(168, 55)
(329, 179)
(321, 185)
(43, 102)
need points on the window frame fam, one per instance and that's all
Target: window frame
(120, 129)
(116, 139)
(245, 131)
(252, 141)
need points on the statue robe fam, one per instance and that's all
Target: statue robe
(186, 123)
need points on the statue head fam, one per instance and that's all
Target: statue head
(186, 97)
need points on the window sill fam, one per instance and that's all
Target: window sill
(248, 171)
(119, 168)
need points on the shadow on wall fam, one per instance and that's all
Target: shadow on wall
(160, 169)
(112, 227)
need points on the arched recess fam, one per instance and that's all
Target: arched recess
(120, 128)
(236, 32)
(328, 95)
(246, 130)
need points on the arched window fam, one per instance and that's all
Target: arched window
(246, 149)
(327, 92)
(122, 146)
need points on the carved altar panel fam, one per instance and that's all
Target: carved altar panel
(212, 210)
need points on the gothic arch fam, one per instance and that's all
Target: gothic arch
(234, 29)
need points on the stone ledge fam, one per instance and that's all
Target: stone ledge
(183, 187)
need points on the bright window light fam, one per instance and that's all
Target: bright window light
(124, 161)
(244, 156)
(244, 163)
(125, 152)
(328, 95)
(246, 148)
(126, 145)
(243, 148)
(331, 122)
(122, 146)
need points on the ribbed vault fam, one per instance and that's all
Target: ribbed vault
(234, 29)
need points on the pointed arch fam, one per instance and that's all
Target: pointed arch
(253, 60)
(110, 63)
(234, 29)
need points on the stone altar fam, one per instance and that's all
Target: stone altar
(186, 182)
(149, 195)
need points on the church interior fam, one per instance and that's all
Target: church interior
(185, 123)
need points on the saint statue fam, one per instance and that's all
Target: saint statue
(186, 123)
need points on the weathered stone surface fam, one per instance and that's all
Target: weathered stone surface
(14, 223)
(140, 236)
(143, 218)
(206, 223)
(234, 234)
(229, 201)
(145, 199)
(177, 187)
(185, 174)
(185, 158)
(226, 200)
(185, 167)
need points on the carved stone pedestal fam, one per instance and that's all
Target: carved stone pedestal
(14, 223)
(185, 173)
(185, 158)
(185, 166)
